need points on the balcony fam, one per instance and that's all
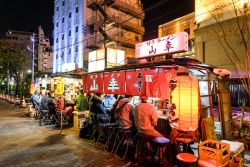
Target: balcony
(92, 43)
(129, 9)
(125, 42)
(128, 25)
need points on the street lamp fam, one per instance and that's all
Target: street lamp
(33, 57)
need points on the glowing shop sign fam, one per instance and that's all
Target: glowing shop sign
(169, 44)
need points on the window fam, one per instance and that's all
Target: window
(76, 29)
(63, 3)
(56, 40)
(69, 51)
(76, 48)
(69, 33)
(56, 24)
(63, 20)
(69, 14)
(77, 9)
(57, 8)
(62, 36)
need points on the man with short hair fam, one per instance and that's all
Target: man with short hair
(44, 101)
(146, 118)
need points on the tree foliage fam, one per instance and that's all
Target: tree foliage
(14, 62)
(240, 26)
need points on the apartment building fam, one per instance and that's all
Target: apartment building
(116, 23)
(45, 54)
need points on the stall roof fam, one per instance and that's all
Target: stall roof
(167, 64)
(71, 74)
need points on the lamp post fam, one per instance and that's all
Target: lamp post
(33, 57)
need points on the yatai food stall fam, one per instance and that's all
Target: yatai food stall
(177, 87)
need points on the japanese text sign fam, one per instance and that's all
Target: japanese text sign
(169, 44)
(114, 82)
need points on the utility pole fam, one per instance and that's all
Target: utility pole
(105, 40)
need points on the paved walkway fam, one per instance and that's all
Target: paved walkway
(24, 143)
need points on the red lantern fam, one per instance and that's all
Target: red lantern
(185, 96)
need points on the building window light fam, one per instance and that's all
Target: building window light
(77, 9)
(76, 48)
(76, 30)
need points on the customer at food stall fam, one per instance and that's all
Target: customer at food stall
(52, 108)
(80, 101)
(109, 100)
(97, 106)
(35, 98)
(115, 107)
(125, 113)
(44, 101)
(146, 118)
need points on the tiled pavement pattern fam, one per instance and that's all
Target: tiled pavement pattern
(24, 143)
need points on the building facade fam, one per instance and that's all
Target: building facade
(116, 24)
(45, 54)
(185, 23)
(68, 33)
(217, 36)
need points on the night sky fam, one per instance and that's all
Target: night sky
(29, 14)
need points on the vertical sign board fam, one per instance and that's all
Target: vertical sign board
(135, 83)
(165, 45)
(94, 83)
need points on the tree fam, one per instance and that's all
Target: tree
(238, 25)
(14, 62)
(236, 49)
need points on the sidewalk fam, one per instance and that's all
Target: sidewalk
(24, 143)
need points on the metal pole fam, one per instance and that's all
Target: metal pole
(105, 45)
(33, 57)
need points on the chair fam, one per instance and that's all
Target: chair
(124, 136)
(42, 114)
(103, 121)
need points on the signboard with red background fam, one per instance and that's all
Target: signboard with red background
(114, 82)
(94, 83)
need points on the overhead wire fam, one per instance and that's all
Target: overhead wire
(146, 10)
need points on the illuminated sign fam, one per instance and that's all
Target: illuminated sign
(97, 59)
(169, 44)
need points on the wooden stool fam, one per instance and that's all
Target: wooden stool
(161, 143)
(207, 162)
(186, 158)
